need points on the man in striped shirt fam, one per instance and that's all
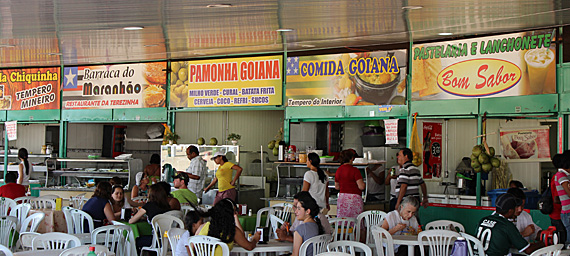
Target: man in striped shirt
(410, 179)
(563, 190)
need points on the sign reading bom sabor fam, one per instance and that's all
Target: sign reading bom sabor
(139, 85)
(251, 81)
(495, 66)
(29, 89)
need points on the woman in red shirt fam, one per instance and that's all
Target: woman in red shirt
(349, 182)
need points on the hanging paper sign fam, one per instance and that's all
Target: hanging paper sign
(391, 130)
(12, 130)
(139, 85)
(432, 150)
(530, 144)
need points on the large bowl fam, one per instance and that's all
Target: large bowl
(379, 94)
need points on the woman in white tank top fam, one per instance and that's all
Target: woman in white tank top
(25, 168)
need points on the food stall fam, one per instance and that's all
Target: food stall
(108, 124)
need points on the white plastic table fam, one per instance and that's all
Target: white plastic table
(410, 241)
(271, 246)
(46, 253)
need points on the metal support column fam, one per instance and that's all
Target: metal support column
(479, 132)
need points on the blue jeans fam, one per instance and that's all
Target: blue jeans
(565, 217)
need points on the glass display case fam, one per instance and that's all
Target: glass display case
(39, 163)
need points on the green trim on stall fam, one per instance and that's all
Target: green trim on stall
(5, 151)
(479, 139)
(87, 115)
(140, 114)
(520, 104)
(245, 108)
(445, 107)
(34, 115)
(3, 115)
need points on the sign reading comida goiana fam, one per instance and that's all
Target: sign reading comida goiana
(348, 79)
(496, 66)
(251, 81)
(29, 89)
(139, 85)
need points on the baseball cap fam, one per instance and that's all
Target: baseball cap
(181, 175)
(506, 202)
(218, 154)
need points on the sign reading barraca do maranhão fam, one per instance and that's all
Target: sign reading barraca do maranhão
(496, 66)
(252, 81)
(29, 89)
(139, 85)
(366, 78)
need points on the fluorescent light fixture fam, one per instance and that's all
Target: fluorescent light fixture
(54, 54)
(150, 45)
(308, 45)
(7, 45)
(445, 33)
(412, 7)
(284, 30)
(219, 5)
(133, 28)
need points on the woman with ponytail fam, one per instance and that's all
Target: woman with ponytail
(315, 182)
(306, 211)
(25, 168)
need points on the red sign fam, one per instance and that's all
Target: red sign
(432, 150)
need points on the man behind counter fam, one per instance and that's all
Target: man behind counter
(196, 171)
(12, 190)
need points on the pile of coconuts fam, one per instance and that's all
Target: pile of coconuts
(481, 160)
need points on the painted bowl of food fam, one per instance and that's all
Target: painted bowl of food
(377, 88)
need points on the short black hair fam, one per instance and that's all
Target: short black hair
(155, 159)
(517, 192)
(408, 153)
(10, 177)
(557, 161)
(517, 183)
(193, 149)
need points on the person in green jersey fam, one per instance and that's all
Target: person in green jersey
(498, 234)
(183, 194)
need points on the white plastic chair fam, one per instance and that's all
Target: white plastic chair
(6, 250)
(79, 229)
(318, 243)
(553, 250)
(333, 254)
(440, 242)
(260, 213)
(24, 199)
(21, 212)
(140, 199)
(84, 250)
(5, 205)
(8, 226)
(132, 240)
(176, 213)
(174, 235)
(68, 219)
(445, 225)
(381, 237)
(279, 214)
(78, 201)
(54, 241)
(206, 246)
(473, 244)
(42, 203)
(186, 208)
(161, 223)
(117, 238)
(366, 220)
(343, 229)
(28, 230)
(349, 247)
(52, 197)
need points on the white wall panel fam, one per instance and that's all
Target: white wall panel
(31, 137)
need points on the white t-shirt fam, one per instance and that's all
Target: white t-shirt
(26, 179)
(522, 221)
(181, 246)
(318, 188)
(393, 218)
(373, 187)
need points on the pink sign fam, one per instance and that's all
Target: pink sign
(391, 129)
(526, 144)
(12, 130)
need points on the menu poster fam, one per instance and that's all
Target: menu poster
(432, 150)
(495, 66)
(29, 89)
(12, 130)
(391, 130)
(526, 144)
(348, 79)
(251, 81)
(139, 85)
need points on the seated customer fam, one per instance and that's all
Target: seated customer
(183, 194)
(403, 220)
(498, 235)
(157, 204)
(141, 187)
(307, 211)
(523, 220)
(192, 221)
(99, 206)
(12, 189)
(173, 202)
(222, 226)
(119, 201)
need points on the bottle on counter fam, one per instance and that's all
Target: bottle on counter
(91, 251)
(250, 213)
